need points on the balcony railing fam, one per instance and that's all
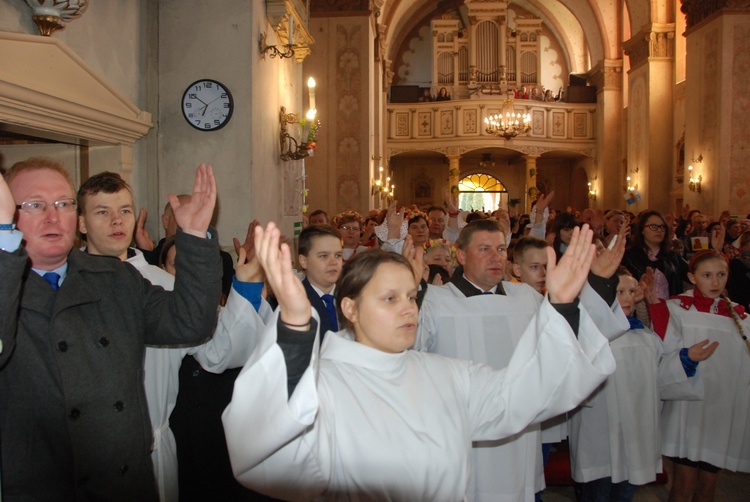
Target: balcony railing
(553, 124)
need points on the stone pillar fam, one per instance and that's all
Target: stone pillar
(717, 122)
(454, 174)
(344, 59)
(607, 76)
(651, 113)
(531, 172)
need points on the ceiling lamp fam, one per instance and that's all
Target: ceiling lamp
(508, 123)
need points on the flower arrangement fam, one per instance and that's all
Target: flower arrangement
(348, 216)
(414, 213)
(436, 243)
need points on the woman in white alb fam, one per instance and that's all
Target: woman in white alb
(363, 417)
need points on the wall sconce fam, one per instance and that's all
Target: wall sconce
(384, 188)
(292, 148)
(288, 52)
(694, 184)
(592, 192)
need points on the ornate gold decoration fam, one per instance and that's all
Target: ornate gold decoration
(51, 15)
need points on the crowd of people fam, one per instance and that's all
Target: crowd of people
(405, 354)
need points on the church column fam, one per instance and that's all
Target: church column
(609, 167)
(716, 105)
(454, 174)
(650, 136)
(531, 172)
(343, 61)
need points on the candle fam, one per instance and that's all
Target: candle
(311, 92)
(291, 29)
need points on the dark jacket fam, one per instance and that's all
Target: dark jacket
(318, 304)
(73, 415)
(671, 265)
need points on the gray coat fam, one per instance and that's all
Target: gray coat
(74, 423)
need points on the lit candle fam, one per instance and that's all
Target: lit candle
(291, 29)
(311, 92)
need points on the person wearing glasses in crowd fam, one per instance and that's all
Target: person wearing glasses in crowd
(650, 249)
(73, 410)
(349, 224)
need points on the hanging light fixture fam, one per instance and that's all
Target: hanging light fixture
(508, 123)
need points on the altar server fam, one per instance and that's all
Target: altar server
(368, 419)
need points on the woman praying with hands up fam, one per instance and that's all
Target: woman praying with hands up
(363, 417)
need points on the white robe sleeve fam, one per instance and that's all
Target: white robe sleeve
(610, 319)
(234, 338)
(673, 383)
(282, 456)
(549, 373)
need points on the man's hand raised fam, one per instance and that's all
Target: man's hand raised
(195, 216)
(565, 279)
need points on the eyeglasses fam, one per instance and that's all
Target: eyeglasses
(655, 228)
(350, 229)
(40, 206)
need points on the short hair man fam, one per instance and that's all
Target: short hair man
(318, 217)
(107, 220)
(321, 257)
(74, 329)
(478, 316)
(530, 262)
(438, 219)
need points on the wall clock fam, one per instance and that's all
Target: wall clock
(207, 105)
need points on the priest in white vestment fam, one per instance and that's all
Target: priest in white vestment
(479, 317)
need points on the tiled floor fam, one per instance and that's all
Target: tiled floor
(732, 487)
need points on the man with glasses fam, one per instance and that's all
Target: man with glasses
(73, 414)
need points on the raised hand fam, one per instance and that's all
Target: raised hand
(7, 203)
(647, 285)
(248, 267)
(449, 201)
(277, 264)
(565, 279)
(718, 233)
(195, 216)
(702, 350)
(395, 218)
(437, 280)
(608, 260)
(142, 238)
(415, 255)
(249, 244)
(542, 204)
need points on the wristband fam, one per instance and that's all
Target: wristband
(295, 325)
(7, 226)
(453, 214)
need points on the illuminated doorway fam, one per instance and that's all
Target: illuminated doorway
(481, 192)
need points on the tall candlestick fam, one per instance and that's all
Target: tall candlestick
(311, 92)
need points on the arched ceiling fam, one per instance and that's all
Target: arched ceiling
(590, 30)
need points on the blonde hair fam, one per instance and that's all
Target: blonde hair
(36, 164)
(736, 319)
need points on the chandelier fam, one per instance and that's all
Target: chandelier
(508, 123)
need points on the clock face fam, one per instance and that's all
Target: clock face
(207, 105)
